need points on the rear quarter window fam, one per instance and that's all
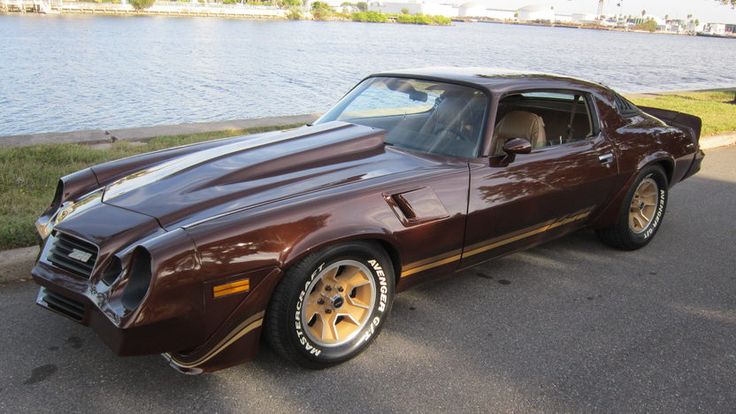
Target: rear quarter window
(624, 107)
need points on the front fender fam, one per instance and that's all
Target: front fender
(333, 236)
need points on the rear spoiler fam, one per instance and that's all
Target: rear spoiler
(689, 123)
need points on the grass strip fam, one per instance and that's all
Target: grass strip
(713, 107)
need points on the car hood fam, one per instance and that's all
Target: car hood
(254, 170)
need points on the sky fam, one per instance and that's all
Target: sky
(704, 10)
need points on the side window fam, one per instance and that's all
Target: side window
(545, 118)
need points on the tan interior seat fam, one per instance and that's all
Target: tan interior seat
(519, 124)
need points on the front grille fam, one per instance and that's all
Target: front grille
(72, 254)
(61, 304)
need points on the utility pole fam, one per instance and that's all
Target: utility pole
(600, 8)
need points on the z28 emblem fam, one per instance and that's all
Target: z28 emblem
(80, 255)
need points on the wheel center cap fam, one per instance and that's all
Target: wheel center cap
(337, 301)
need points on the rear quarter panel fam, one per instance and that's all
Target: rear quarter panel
(642, 139)
(638, 141)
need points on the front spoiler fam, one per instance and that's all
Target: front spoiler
(237, 339)
(142, 340)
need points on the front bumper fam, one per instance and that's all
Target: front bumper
(189, 348)
(68, 300)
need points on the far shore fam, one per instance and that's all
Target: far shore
(249, 12)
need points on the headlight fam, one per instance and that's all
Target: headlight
(44, 227)
(45, 223)
(112, 271)
(139, 279)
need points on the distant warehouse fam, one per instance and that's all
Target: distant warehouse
(719, 29)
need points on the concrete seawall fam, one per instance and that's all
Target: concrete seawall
(96, 136)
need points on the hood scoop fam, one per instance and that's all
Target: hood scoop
(253, 170)
(284, 151)
(307, 154)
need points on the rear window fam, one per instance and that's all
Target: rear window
(548, 95)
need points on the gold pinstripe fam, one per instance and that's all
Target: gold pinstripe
(487, 245)
(244, 328)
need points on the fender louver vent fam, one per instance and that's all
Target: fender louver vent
(72, 254)
(65, 306)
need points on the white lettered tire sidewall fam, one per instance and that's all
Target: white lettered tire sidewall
(297, 345)
(662, 194)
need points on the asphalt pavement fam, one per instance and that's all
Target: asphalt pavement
(570, 326)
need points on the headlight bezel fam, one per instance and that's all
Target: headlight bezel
(137, 279)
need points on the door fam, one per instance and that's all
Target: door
(538, 196)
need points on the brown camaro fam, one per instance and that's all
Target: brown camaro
(304, 236)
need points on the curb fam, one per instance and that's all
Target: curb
(716, 141)
(16, 264)
(97, 136)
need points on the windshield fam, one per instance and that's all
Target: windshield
(420, 115)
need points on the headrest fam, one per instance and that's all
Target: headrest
(520, 124)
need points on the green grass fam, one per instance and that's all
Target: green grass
(713, 107)
(378, 17)
(28, 176)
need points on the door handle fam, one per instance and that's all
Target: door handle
(606, 159)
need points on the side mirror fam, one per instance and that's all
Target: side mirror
(517, 146)
(418, 96)
(511, 148)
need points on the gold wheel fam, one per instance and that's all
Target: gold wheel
(339, 302)
(643, 205)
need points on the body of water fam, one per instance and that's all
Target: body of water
(64, 73)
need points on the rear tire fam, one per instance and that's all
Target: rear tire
(331, 305)
(641, 213)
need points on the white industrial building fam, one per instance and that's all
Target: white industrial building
(482, 9)
(536, 12)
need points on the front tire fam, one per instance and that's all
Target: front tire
(331, 305)
(641, 213)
